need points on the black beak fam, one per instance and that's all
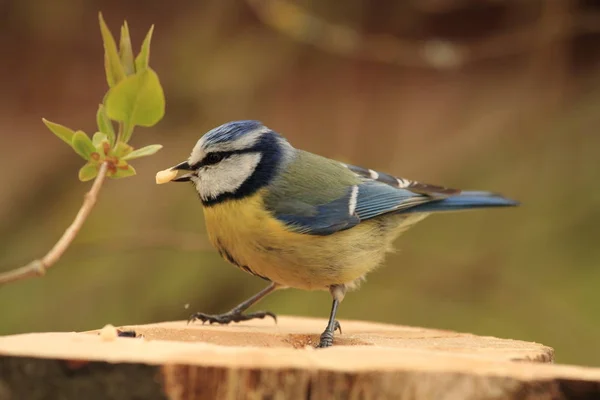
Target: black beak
(184, 166)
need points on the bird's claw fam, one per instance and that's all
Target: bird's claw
(337, 326)
(224, 319)
(327, 336)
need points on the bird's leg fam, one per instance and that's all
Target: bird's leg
(236, 313)
(337, 292)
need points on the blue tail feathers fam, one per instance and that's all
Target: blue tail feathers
(464, 201)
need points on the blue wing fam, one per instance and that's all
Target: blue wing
(361, 202)
(375, 194)
(322, 219)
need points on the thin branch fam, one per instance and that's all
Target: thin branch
(38, 267)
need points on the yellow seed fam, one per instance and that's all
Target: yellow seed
(108, 333)
(165, 176)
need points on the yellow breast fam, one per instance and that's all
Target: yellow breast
(250, 237)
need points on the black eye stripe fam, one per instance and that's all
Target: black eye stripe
(212, 158)
(222, 155)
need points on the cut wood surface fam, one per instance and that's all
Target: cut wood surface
(260, 359)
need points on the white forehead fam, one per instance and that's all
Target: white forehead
(215, 143)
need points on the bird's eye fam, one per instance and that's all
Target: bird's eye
(213, 158)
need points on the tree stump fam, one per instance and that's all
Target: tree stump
(260, 359)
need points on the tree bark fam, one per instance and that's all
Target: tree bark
(259, 360)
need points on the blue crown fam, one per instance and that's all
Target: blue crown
(231, 131)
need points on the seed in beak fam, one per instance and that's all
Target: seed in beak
(165, 176)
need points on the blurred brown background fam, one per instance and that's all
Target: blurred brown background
(490, 95)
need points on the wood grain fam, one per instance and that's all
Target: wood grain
(259, 359)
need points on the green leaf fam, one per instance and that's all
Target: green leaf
(83, 145)
(64, 133)
(143, 58)
(125, 51)
(88, 172)
(143, 152)
(137, 100)
(124, 172)
(105, 125)
(98, 138)
(127, 131)
(121, 150)
(112, 62)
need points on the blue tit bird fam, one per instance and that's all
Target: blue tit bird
(299, 220)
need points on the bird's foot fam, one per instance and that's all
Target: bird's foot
(327, 336)
(229, 317)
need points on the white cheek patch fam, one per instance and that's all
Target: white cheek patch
(226, 176)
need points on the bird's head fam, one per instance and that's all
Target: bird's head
(234, 160)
